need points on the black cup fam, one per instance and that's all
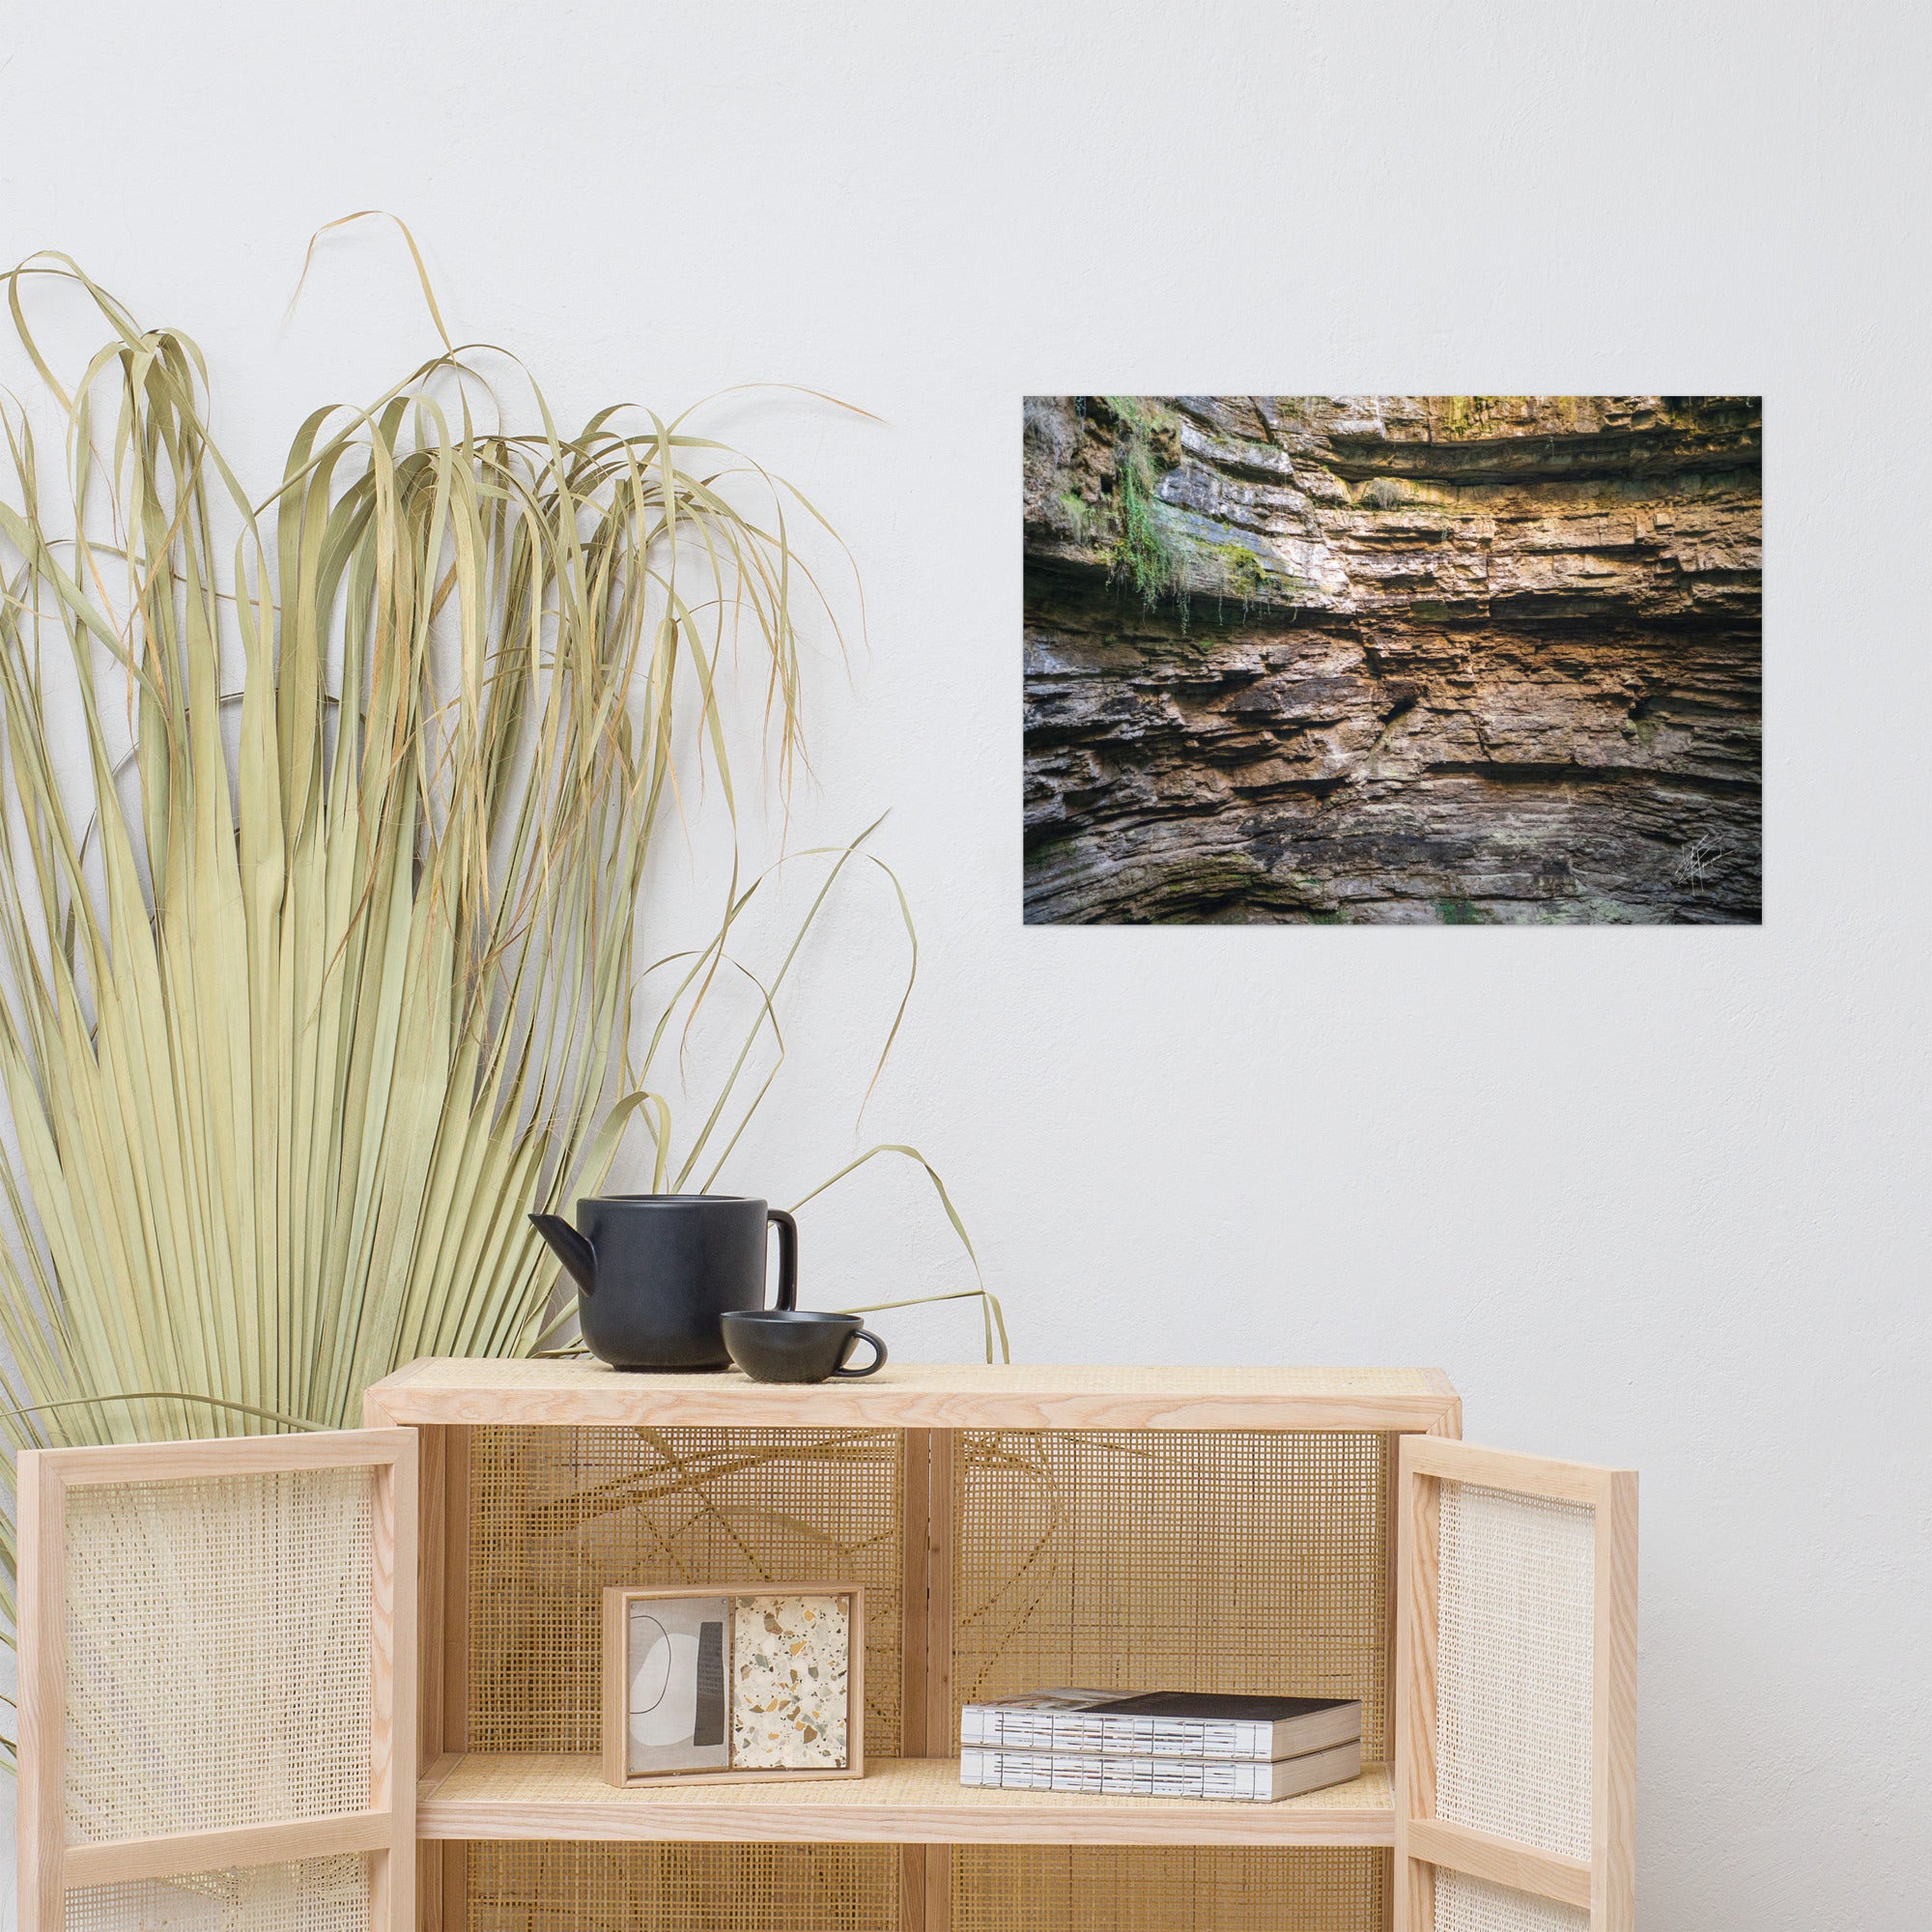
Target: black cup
(788, 1344)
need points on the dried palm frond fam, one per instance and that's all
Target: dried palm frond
(317, 973)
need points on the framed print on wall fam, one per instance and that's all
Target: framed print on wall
(1392, 660)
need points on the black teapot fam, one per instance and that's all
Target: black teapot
(655, 1272)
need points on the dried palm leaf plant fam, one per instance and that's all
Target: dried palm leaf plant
(317, 973)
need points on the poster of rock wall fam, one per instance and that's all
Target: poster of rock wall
(1392, 660)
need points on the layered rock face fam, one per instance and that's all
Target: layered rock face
(1393, 659)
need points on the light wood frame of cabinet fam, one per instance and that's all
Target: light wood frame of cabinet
(1603, 1886)
(418, 1446)
(385, 1829)
(615, 1725)
(914, 1801)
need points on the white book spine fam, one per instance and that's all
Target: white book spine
(1011, 1728)
(1116, 1776)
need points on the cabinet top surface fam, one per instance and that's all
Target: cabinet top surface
(922, 1395)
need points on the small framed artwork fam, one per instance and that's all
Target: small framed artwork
(752, 1685)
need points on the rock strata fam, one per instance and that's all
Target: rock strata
(1393, 659)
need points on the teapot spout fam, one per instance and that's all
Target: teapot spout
(570, 1248)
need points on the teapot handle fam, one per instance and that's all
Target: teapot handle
(787, 1256)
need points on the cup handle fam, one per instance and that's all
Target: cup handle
(787, 1256)
(872, 1367)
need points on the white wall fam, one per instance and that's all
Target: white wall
(1649, 1195)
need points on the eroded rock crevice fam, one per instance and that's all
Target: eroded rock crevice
(1393, 659)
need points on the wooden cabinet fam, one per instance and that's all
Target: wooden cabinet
(1321, 1530)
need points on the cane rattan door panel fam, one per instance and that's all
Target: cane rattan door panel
(218, 1706)
(309, 1896)
(1516, 1693)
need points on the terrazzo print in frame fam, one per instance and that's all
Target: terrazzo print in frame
(790, 1683)
(759, 1685)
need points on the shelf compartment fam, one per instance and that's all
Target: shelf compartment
(1160, 1889)
(555, 1516)
(1203, 1560)
(898, 1802)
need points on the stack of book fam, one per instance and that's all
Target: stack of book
(1164, 1744)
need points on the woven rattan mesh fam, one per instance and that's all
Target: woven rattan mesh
(1252, 1561)
(1473, 1905)
(314, 1895)
(217, 1651)
(537, 1887)
(1117, 1888)
(1514, 1667)
(556, 1514)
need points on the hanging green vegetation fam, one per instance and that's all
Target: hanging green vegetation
(319, 970)
(1144, 555)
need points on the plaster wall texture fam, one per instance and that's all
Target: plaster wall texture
(1652, 1197)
